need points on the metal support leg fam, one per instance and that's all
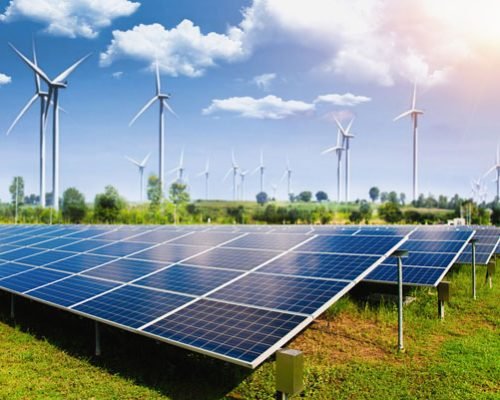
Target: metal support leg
(97, 339)
(400, 305)
(440, 309)
(12, 307)
(474, 270)
(443, 292)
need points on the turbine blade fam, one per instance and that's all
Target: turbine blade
(23, 111)
(284, 176)
(414, 99)
(148, 104)
(158, 84)
(339, 125)
(181, 161)
(62, 77)
(143, 163)
(35, 61)
(227, 174)
(173, 170)
(329, 150)
(233, 159)
(255, 170)
(167, 106)
(133, 161)
(34, 67)
(48, 100)
(405, 114)
(348, 129)
(488, 172)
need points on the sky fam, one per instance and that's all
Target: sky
(257, 75)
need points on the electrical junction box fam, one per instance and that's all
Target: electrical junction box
(289, 371)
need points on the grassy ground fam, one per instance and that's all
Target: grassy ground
(350, 354)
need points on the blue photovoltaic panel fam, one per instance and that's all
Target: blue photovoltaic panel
(31, 240)
(63, 232)
(265, 241)
(206, 238)
(119, 235)
(411, 275)
(189, 280)
(132, 306)
(13, 239)
(335, 231)
(125, 270)
(373, 245)
(239, 332)
(72, 290)
(332, 266)
(169, 252)
(18, 254)
(47, 257)
(54, 243)
(284, 293)
(6, 247)
(31, 279)
(81, 262)
(487, 240)
(441, 260)
(241, 259)
(9, 269)
(433, 247)
(158, 236)
(121, 249)
(428, 234)
(88, 233)
(86, 245)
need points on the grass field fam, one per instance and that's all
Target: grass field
(350, 354)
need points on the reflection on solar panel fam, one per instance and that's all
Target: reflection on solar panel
(237, 293)
(488, 241)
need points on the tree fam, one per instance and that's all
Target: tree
(384, 196)
(16, 190)
(178, 195)
(32, 199)
(374, 193)
(355, 217)
(73, 205)
(154, 190)
(365, 209)
(107, 205)
(402, 198)
(321, 196)
(442, 201)
(393, 197)
(305, 196)
(262, 198)
(390, 212)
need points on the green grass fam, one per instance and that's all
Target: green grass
(350, 354)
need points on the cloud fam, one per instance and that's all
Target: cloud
(269, 107)
(70, 18)
(182, 50)
(117, 74)
(264, 81)
(346, 99)
(5, 79)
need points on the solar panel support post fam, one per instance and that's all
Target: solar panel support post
(443, 290)
(97, 329)
(490, 271)
(400, 254)
(473, 245)
(12, 306)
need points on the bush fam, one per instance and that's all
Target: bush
(390, 212)
(73, 206)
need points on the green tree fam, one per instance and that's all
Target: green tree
(305, 196)
(107, 205)
(374, 193)
(321, 196)
(390, 212)
(402, 198)
(393, 197)
(262, 198)
(74, 208)
(154, 190)
(384, 196)
(365, 209)
(179, 196)
(16, 190)
(355, 217)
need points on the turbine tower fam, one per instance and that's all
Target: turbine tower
(288, 175)
(141, 166)
(338, 151)
(59, 82)
(162, 101)
(206, 173)
(260, 168)
(179, 169)
(242, 184)
(496, 167)
(234, 169)
(414, 112)
(43, 97)
(346, 137)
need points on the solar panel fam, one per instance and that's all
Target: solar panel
(9, 269)
(81, 262)
(169, 252)
(241, 259)
(267, 241)
(340, 244)
(418, 276)
(488, 240)
(86, 245)
(125, 270)
(121, 249)
(47, 257)
(30, 279)
(18, 254)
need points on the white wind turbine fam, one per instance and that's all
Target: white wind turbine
(206, 174)
(162, 101)
(141, 165)
(274, 187)
(346, 137)
(43, 97)
(234, 169)
(288, 174)
(261, 168)
(242, 184)
(414, 112)
(179, 169)
(338, 148)
(496, 167)
(59, 82)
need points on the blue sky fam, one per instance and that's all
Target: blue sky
(257, 68)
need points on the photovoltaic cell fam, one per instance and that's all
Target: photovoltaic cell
(268, 242)
(54, 243)
(125, 270)
(373, 245)
(8, 269)
(86, 245)
(157, 236)
(121, 249)
(427, 234)
(206, 238)
(441, 260)
(80, 262)
(169, 253)
(30, 279)
(411, 275)
(433, 247)
(18, 254)
(241, 259)
(47, 257)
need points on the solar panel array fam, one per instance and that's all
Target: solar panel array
(235, 293)
(488, 242)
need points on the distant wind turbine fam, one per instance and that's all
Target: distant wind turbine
(242, 184)
(234, 169)
(496, 167)
(179, 169)
(338, 149)
(288, 174)
(274, 187)
(59, 82)
(413, 112)
(346, 137)
(141, 165)
(162, 100)
(206, 174)
(261, 168)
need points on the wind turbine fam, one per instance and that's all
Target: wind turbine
(346, 137)
(162, 100)
(260, 168)
(413, 112)
(496, 167)
(242, 183)
(141, 165)
(338, 148)
(59, 82)
(179, 169)
(234, 169)
(206, 173)
(274, 187)
(288, 175)
(43, 97)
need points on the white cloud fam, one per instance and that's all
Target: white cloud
(182, 50)
(264, 81)
(346, 99)
(70, 18)
(5, 79)
(117, 74)
(269, 107)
